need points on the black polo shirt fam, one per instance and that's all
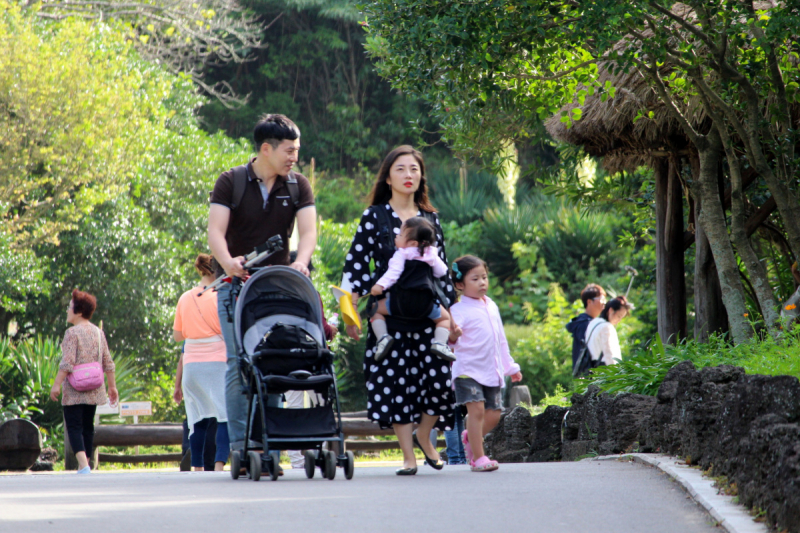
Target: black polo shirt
(252, 222)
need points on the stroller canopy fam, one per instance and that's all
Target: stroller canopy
(276, 294)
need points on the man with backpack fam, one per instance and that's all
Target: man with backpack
(594, 298)
(249, 204)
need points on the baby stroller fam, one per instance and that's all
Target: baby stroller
(281, 347)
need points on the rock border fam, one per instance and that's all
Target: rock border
(731, 516)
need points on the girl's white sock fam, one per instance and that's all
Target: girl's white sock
(379, 328)
(441, 335)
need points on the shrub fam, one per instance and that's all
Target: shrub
(340, 199)
(462, 239)
(467, 205)
(644, 371)
(545, 356)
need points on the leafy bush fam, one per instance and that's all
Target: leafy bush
(545, 356)
(340, 199)
(502, 228)
(333, 242)
(643, 372)
(467, 205)
(576, 245)
(462, 239)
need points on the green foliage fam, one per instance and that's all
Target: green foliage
(644, 371)
(333, 242)
(158, 390)
(545, 355)
(462, 239)
(340, 199)
(502, 228)
(462, 203)
(560, 397)
(314, 70)
(134, 248)
(485, 67)
(73, 109)
(577, 245)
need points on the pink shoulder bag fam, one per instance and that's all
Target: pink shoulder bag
(88, 376)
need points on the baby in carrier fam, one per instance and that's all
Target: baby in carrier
(411, 271)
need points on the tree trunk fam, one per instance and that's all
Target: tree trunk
(712, 217)
(670, 279)
(709, 310)
(758, 274)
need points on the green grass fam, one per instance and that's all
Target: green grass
(517, 332)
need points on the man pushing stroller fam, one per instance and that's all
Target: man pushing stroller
(249, 204)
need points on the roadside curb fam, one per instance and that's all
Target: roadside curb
(731, 516)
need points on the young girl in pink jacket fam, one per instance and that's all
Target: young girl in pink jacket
(482, 358)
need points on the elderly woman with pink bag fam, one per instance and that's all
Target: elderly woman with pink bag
(84, 360)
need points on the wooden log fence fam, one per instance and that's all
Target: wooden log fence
(354, 424)
(167, 434)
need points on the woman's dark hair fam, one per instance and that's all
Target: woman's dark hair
(421, 230)
(616, 304)
(274, 129)
(83, 304)
(204, 265)
(382, 191)
(463, 265)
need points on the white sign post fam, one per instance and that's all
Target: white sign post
(105, 409)
(136, 409)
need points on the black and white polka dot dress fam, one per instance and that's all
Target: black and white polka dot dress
(410, 380)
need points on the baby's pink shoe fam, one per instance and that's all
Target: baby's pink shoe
(467, 446)
(484, 464)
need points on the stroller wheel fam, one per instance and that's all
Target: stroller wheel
(349, 465)
(236, 464)
(274, 465)
(254, 458)
(311, 460)
(330, 464)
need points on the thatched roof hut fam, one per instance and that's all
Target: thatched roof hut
(609, 128)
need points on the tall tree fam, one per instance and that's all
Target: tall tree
(480, 64)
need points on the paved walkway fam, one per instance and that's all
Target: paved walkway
(587, 496)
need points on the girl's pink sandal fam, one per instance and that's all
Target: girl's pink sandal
(484, 464)
(467, 447)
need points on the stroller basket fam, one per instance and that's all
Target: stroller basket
(284, 361)
(310, 422)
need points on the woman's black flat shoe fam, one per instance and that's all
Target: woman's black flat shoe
(436, 465)
(406, 471)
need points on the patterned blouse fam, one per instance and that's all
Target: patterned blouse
(78, 347)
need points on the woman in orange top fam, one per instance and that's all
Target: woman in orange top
(200, 379)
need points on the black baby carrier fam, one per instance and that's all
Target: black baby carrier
(416, 291)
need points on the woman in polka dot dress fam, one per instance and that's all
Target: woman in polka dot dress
(410, 384)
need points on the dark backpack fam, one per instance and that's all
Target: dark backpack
(285, 337)
(240, 184)
(584, 363)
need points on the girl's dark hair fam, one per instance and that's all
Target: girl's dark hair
(463, 265)
(382, 191)
(83, 304)
(204, 264)
(616, 304)
(421, 230)
(274, 129)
